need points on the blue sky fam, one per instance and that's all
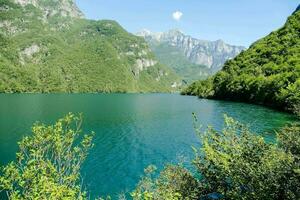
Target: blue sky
(238, 22)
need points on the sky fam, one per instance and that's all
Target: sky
(238, 22)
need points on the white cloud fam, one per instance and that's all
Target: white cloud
(177, 15)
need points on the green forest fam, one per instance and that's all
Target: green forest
(267, 73)
(71, 54)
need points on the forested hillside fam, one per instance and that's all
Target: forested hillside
(47, 46)
(267, 73)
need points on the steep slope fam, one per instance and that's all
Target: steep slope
(191, 58)
(47, 46)
(175, 58)
(267, 73)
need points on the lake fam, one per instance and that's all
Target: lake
(132, 130)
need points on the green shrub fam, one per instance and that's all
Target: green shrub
(174, 182)
(232, 164)
(48, 163)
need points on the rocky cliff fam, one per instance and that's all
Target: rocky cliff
(212, 54)
(54, 7)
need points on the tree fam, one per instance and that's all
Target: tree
(238, 164)
(232, 164)
(48, 162)
(174, 183)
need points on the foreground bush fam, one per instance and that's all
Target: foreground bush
(48, 163)
(232, 164)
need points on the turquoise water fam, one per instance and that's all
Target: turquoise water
(132, 130)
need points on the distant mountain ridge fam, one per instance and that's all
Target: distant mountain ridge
(48, 46)
(212, 54)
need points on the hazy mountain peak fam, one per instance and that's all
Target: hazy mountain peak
(220, 41)
(144, 32)
(175, 32)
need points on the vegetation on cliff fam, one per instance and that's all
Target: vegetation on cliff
(45, 47)
(267, 73)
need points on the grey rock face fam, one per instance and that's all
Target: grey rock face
(28, 52)
(62, 7)
(213, 54)
(142, 64)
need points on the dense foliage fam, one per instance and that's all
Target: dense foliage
(43, 52)
(48, 163)
(267, 73)
(231, 164)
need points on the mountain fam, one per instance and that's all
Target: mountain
(48, 46)
(267, 73)
(298, 8)
(189, 57)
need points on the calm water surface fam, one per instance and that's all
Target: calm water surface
(132, 130)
